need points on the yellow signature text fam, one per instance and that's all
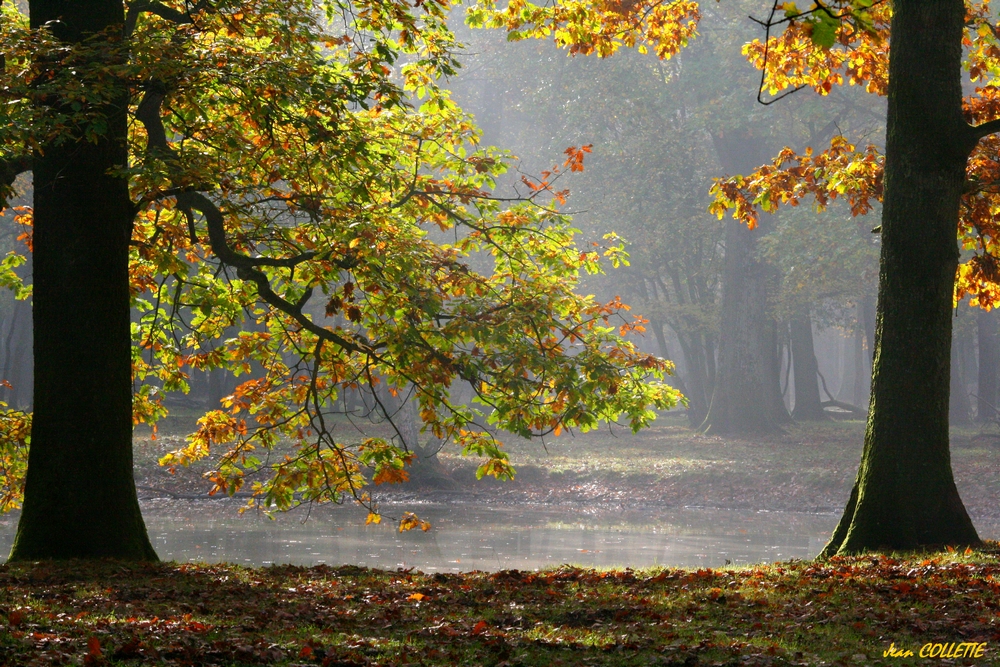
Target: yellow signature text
(953, 650)
(937, 650)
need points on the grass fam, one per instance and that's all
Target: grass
(846, 611)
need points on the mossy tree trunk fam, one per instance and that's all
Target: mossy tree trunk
(905, 495)
(80, 498)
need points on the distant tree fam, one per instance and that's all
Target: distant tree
(940, 180)
(829, 270)
(278, 164)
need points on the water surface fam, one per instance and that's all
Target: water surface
(464, 538)
(478, 538)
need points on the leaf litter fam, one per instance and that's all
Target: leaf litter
(843, 611)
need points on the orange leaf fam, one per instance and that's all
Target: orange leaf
(417, 597)
(479, 628)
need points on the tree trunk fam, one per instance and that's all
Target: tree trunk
(989, 366)
(80, 499)
(693, 387)
(743, 400)
(848, 366)
(426, 469)
(746, 397)
(905, 495)
(959, 408)
(17, 357)
(807, 401)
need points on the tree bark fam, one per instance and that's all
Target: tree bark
(80, 498)
(905, 495)
(807, 401)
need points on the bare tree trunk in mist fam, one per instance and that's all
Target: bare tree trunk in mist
(426, 469)
(17, 356)
(989, 365)
(960, 407)
(747, 392)
(847, 368)
(807, 402)
(693, 380)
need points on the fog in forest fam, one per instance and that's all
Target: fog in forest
(771, 331)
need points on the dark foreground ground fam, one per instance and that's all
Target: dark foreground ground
(840, 612)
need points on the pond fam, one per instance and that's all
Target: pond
(464, 538)
(480, 538)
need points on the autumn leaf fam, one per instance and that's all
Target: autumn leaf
(409, 521)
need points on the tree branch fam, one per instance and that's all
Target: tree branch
(10, 169)
(986, 129)
(161, 10)
(148, 113)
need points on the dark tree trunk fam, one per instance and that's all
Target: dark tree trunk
(80, 499)
(905, 495)
(989, 365)
(746, 397)
(807, 401)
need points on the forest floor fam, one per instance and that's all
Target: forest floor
(845, 611)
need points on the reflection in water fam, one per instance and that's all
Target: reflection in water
(481, 538)
(463, 539)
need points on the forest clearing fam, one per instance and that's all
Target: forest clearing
(808, 468)
(308, 257)
(841, 611)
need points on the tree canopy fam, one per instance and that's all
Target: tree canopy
(313, 212)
